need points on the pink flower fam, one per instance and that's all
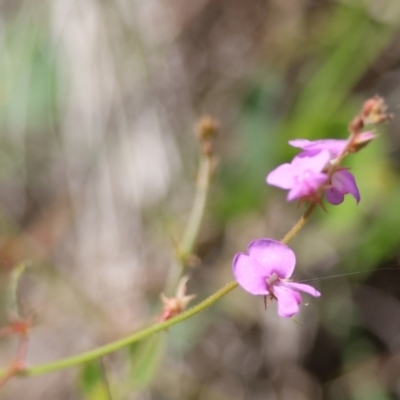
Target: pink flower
(265, 271)
(302, 177)
(309, 170)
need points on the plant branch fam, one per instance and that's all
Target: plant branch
(299, 224)
(120, 344)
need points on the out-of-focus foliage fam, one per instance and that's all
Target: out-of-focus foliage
(145, 357)
(93, 384)
(97, 162)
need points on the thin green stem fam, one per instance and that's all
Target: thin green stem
(186, 246)
(120, 344)
(299, 224)
(196, 216)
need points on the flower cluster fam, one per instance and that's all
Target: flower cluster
(314, 172)
(316, 169)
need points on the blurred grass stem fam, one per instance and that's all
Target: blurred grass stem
(15, 280)
(186, 246)
(196, 216)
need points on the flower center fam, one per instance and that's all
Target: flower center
(272, 279)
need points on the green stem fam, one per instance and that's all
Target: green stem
(186, 245)
(196, 216)
(120, 344)
(299, 224)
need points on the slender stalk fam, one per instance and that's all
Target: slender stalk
(120, 344)
(299, 224)
(196, 216)
(186, 246)
(144, 333)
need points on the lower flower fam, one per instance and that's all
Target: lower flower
(266, 271)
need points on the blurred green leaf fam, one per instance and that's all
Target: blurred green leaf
(145, 356)
(365, 232)
(351, 41)
(92, 385)
(27, 76)
(243, 179)
(379, 240)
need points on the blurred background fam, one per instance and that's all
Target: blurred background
(98, 158)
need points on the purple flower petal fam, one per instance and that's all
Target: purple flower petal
(307, 153)
(301, 287)
(300, 143)
(273, 257)
(333, 146)
(288, 301)
(306, 186)
(249, 274)
(313, 164)
(281, 176)
(344, 182)
(302, 177)
(334, 197)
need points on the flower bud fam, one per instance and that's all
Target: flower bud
(207, 128)
(374, 111)
(356, 125)
(175, 305)
(361, 140)
(206, 132)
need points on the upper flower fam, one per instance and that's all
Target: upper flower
(265, 271)
(303, 176)
(313, 171)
